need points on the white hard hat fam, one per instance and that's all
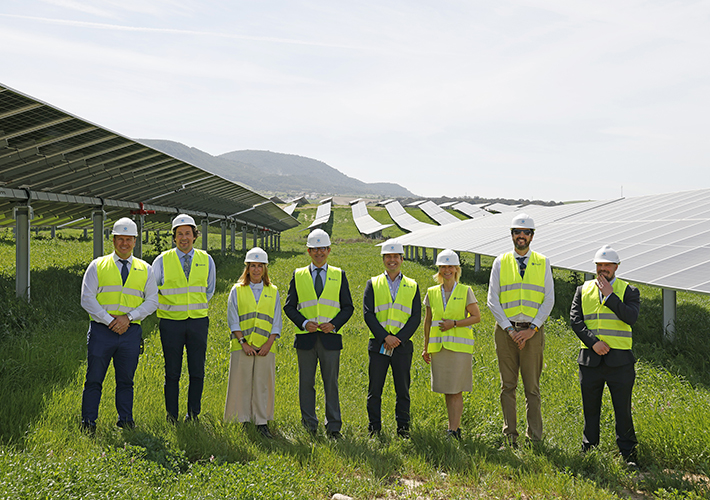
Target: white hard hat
(318, 239)
(447, 258)
(522, 221)
(256, 254)
(391, 246)
(125, 227)
(183, 220)
(606, 254)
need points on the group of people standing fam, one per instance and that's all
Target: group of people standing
(119, 291)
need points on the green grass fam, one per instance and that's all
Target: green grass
(42, 366)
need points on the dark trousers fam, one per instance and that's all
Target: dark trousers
(308, 360)
(620, 380)
(190, 334)
(104, 345)
(401, 364)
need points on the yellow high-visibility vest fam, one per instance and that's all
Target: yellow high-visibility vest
(460, 338)
(522, 295)
(319, 309)
(393, 315)
(179, 299)
(601, 320)
(112, 294)
(255, 319)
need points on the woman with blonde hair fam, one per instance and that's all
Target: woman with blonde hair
(254, 317)
(451, 309)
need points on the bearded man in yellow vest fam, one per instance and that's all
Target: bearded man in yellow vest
(118, 291)
(602, 314)
(319, 304)
(521, 295)
(186, 280)
(393, 310)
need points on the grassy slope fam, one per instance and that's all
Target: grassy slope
(42, 364)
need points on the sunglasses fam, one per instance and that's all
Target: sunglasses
(526, 232)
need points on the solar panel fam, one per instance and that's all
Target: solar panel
(365, 223)
(66, 167)
(403, 219)
(437, 213)
(663, 240)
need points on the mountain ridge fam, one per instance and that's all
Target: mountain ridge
(270, 172)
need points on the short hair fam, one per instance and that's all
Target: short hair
(439, 279)
(245, 279)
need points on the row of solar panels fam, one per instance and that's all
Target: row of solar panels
(66, 167)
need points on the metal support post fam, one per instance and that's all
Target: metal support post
(477, 264)
(256, 235)
(205, 233)
(54, 232)
(423, 253)
(23, 214)
(138, 249)
(98, 216)
(669, 313)
(416, 254)
(233, 234)
(244, 238)
(223, 225)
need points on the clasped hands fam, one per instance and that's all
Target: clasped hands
(119, 324)
(312, 327)
(521, 337)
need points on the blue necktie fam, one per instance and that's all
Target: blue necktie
(186, 265)
(521, 262)
(124, 270)
(319, 282)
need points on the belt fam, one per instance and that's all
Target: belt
(519, 326)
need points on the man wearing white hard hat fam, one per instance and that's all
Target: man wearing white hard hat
(319, 304)
(254, 318)
(186, 280)
(602, 314)
(392, 308)
(521, 295)
(118, 291)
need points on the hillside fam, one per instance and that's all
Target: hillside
(265, 171)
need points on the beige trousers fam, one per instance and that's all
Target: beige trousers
(528, 363)
(251, 389)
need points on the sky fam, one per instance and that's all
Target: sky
(524, 99)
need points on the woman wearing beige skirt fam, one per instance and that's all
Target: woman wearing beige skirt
(451, 309)
(254, 317)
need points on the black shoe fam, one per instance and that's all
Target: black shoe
(403, 432)
(454, 434)
(334, 435)
(88, 428)
(264, 431)
(171, 420)
(192, 418)
(126, 424)
(373, 431)
(631, 459)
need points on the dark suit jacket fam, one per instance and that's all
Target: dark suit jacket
(308, 340)
(627, 311)
(404, 335)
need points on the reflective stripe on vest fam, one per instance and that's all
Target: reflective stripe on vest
(179, 299)
(601, 320)
(255, 320)
(112, 294)
(319, 309)
(393, 315)
(459, 339)
(522, 295)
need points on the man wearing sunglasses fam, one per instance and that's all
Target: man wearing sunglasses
(319, 304)
(521, 294)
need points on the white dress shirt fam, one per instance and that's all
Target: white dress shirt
(90, 287)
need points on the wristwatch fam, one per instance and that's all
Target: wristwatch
(242, 340)
(535, 328)
(130, 317)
